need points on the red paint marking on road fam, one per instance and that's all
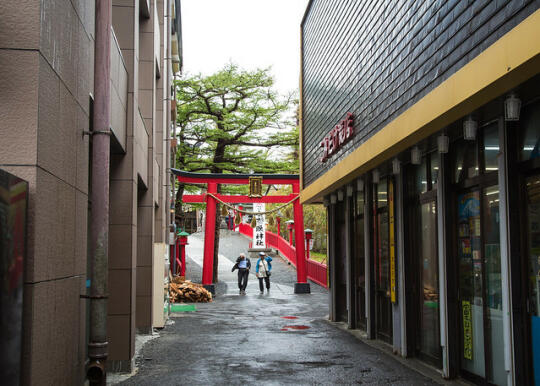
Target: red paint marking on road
(289, 317)
(284, 329)
(298, 327)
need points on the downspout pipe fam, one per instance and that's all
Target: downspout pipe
(99, 231)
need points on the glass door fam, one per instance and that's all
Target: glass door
(424, 273)
(471, 283)
(429, 342)
(479, 257)
(383, 305)
(360, 268)
(533, 257)
(480, 285)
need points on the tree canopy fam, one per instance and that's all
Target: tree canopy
(228, 122)
(233, 122)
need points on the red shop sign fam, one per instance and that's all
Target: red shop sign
(337, 137)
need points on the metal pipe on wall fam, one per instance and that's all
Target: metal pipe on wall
(99, 232)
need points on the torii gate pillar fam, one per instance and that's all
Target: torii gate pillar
(302, 286)
(209, 230)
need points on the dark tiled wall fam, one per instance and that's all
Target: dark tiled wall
(376, 58)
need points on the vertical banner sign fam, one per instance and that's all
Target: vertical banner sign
(467, 330)
(392, 242)
(259, 236)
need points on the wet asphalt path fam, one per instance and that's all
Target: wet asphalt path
(273, 339)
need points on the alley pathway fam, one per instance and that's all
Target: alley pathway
(276, 339)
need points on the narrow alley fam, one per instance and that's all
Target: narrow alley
(275, 338)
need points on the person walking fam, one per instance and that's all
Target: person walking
(262, 271)
(244, 265)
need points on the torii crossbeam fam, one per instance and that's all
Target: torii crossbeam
(212, 180)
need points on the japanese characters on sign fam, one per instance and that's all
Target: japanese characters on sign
(337, 137)
(259, 236)
(467, 330)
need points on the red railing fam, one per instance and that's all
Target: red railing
(315, 271)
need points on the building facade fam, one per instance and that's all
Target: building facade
(47, 69)
(420, 131)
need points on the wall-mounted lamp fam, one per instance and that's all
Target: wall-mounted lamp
(333, 198)
(512, 107)
(360, 184)
(442, 143)
(349, 190)
(340, 195)
(375, 176)
(469, 129)
(416, 156)
(396, 166)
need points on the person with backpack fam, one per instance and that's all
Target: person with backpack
(263, 270)
(243, 264)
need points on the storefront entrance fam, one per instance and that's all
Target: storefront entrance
(359, 266)
(528, 165)
(381, 257)
(423, 268)
(477, 244)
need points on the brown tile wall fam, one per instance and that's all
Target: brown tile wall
(145, 216)
(123, 203)
(46, 71)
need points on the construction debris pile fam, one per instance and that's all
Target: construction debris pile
(181, 290)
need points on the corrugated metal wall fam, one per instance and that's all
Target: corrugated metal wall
(376, 58)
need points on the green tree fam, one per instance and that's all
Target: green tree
(233, 122)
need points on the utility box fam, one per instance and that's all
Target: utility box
(13, 207)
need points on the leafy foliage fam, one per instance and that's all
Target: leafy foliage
(230, 121)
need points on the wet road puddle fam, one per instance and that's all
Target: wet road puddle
(295, 327)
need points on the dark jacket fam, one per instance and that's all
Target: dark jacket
(238, 261)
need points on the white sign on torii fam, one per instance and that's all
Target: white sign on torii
(259, 233)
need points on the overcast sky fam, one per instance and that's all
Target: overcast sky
(251, 33)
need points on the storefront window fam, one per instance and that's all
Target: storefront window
(492, 261)
(491, 148)
(382, 194)
(470, 282)
(383, 244)
(430, 342)
(420, 184)
(530, 147)
(465, 160)
(360, 260)
(434, 165)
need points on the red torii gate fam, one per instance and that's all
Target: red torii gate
(212, 180)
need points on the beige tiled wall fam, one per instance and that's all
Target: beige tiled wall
(46, 70)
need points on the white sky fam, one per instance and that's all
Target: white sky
(250, 33)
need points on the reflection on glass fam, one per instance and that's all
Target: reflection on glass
(458, 161)
(430, 340)
(470, 283)
(383, 261)
(533, 241)
(465, 160)
(531, 134)
(382, 193)
(492, 261)
(491, 148)
(360, 203)
(420, 177)
(360, 259)
(434, 169)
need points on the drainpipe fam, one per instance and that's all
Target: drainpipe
(97, 346)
